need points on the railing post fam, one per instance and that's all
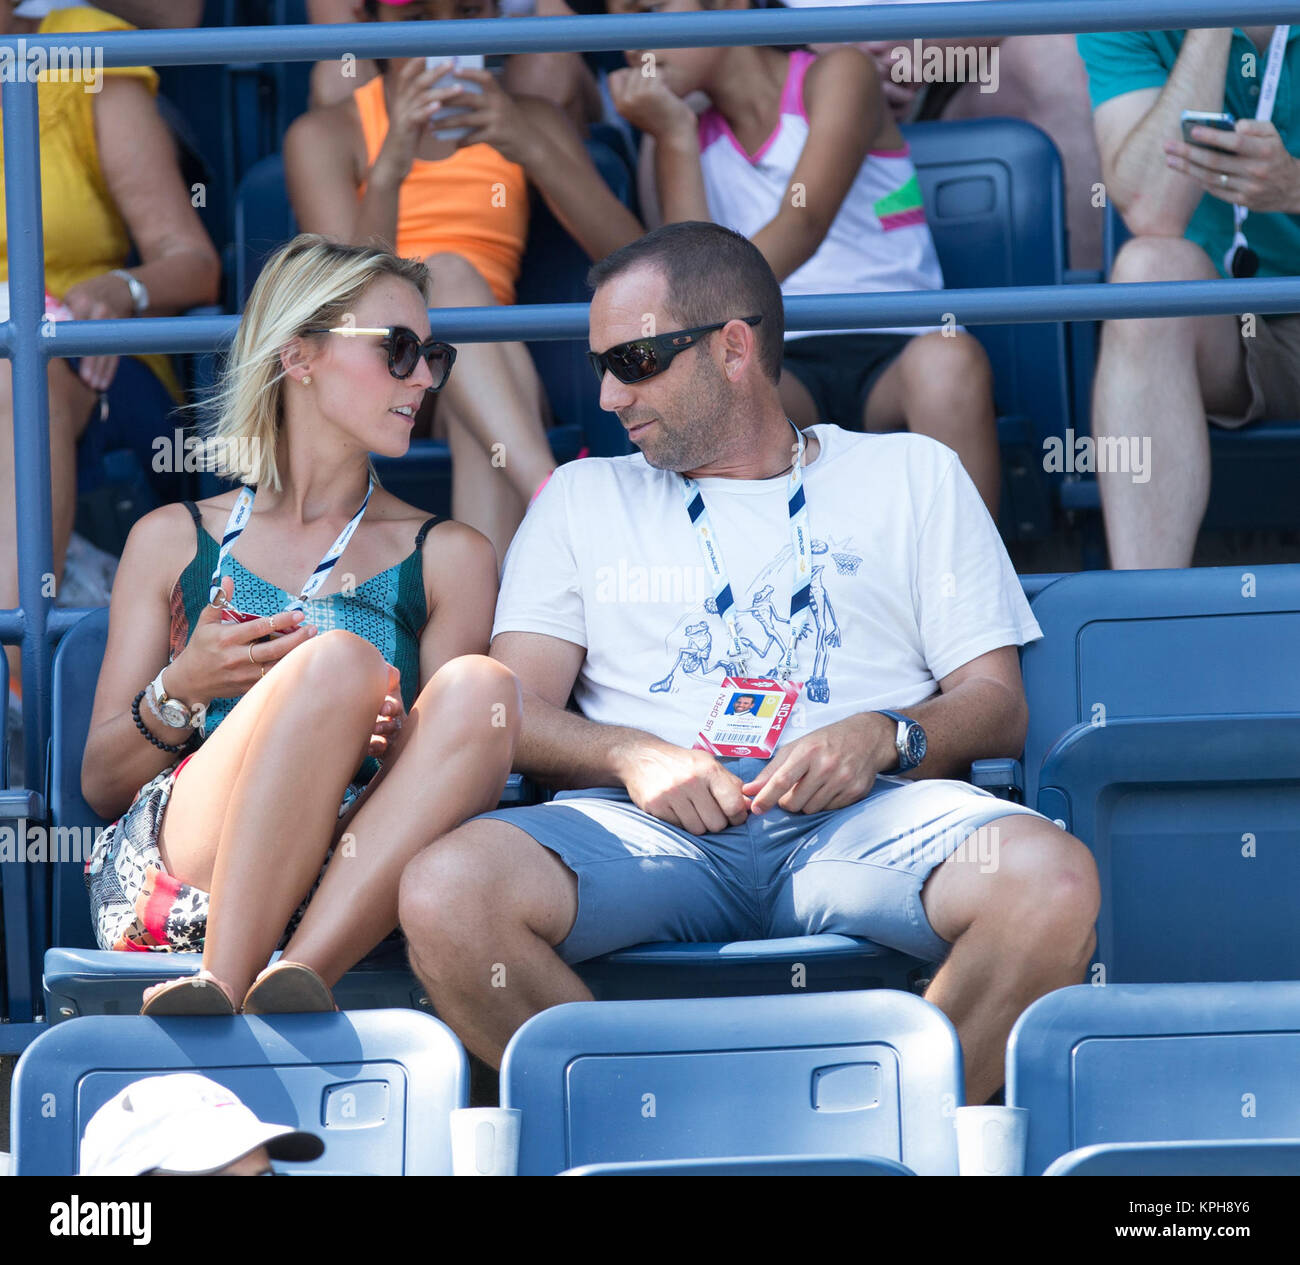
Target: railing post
(32, 501)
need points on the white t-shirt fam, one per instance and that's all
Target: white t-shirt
(910, 581)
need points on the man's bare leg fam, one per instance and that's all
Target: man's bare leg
(484, 904)
(1156, 380)
(1020, 924)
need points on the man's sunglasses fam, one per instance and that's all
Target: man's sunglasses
(404, 350)
(642, 358)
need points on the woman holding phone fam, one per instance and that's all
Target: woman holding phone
(326, 638)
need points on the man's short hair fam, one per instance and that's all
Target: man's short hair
(712, 274)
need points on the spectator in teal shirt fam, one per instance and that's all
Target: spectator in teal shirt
(1163, 378)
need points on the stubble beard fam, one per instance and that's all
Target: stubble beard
(703, 422)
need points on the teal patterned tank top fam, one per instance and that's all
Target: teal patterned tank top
(389, 610)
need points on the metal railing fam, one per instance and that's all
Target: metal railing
(30, 346)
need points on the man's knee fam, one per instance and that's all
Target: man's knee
(1046, 887)
(1161, 259)
(449, 890)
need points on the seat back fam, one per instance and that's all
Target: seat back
(378, 1086)
(1181, 1159)
(1156, 1063)
(765, 1166)
(848, 1074)
(264, 221)
(1163, 721)
(995, 205)
(76, 673)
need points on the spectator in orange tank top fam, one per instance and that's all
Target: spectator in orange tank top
(372, 168)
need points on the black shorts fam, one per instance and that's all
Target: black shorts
(840, 370)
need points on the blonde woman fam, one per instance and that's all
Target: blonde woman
(352, 718)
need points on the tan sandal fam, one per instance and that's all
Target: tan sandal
(190, 995)
(288, 988)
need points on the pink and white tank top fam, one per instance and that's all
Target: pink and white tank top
(878, 241)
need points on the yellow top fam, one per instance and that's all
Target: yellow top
(85, 235)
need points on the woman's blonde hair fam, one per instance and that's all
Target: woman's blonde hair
(309, 282)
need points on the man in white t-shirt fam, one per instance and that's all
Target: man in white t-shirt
(862, 567)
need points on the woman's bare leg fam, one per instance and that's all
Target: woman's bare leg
(480, 496)
(449, 762)
(254, 813)
(71, 404)
(487, 391)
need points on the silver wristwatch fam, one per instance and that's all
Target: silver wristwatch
(170, 711)
(139, 294)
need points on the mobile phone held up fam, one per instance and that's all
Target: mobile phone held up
(1205, 118)
(462, 61)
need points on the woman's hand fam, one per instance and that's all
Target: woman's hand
(390, 717)
(102, 298)
(648, 103)
(414, 100)
(222, 659)
(493, 118)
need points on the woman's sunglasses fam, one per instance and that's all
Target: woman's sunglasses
(404, 350)
(642, 358)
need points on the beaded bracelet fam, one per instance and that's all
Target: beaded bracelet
(171, 748)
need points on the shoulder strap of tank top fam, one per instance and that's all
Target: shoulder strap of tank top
(194, 514)
(424, 531)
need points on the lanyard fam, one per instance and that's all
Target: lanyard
(801, 540)
(1264, 113)
(239, 520)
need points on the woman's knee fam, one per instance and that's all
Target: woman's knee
(453, 274)
(480, 698)
(337, 667)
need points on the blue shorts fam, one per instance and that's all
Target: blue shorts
(857, 871)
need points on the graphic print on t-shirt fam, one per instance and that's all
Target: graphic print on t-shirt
(764, 631)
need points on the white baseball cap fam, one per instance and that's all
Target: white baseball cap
(184, 1123)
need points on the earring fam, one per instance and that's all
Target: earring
(306, 379)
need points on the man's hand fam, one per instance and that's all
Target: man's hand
(685, 788)
(830, 768)
(648, 103)
(390, 717)
(1249, 167)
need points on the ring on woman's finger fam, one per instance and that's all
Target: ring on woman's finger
(250, 654)
(263, 669)
(1223, 178)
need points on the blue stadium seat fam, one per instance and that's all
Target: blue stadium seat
(747, 968)
(378, 1087)
(1181, 1159)
(994, 201)
(1163, 718)
(844, 1074)
(766, 1166)
(1156, 1063)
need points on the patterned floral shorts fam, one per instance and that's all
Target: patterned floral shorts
(134, 903)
